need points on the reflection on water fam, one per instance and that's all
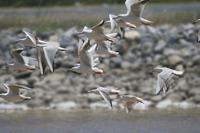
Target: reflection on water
(174, 121)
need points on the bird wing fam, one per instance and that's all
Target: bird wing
(160, 84)
(112, 35)
(20, 87)
(17, 56)
(50, 52)
(113, 24)
(137, 8)
(168, 84)
(84, 55)
(106, 97)
(131, 101)
(30, 36)
(80, 43)
(95, 62)
(128, 5)
(83, 46)
(12, 89)
(129, 106)
(93, 56)
(103, 45)
(98, 28)
(30, 61)
(158, 70)
(8, 89)
(42, 61)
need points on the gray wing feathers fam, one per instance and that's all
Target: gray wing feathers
(49, 53)
(160, 85)
(32, 37)
(17, 56)
(42, 61)
(30, 61)
(113, 24)
(106, 98)
(12, 89)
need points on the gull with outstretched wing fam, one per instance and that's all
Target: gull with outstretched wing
(13, 93)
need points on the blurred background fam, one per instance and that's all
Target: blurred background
(44, 15)
(170, 42)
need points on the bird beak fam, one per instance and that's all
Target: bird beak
(141, 101)
(26, 99)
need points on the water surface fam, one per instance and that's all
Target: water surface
(164, 121)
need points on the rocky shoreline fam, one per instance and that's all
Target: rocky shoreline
(143, 49)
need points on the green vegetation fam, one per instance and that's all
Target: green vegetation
(49, 22)
(36, 3)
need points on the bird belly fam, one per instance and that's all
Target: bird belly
(19, 67)
(86, 70)
(97, 36)
(102, 52)
(12, 98)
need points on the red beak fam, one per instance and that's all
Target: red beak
(97, 72)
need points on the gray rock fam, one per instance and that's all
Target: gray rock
(115, 62)
(175, 97)
(156, 98)
(99, 105)
(169, 51)
(184, 105)
(32, 80)
(67, 39)
(175, 59)
(12, 107)
(164, 104)
(62, 90)
(66, 106)
(182, 85)
(196, 98)
(160, 46)
(194, 91)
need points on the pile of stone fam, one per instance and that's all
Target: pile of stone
(143, 49)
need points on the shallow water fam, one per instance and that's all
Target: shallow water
(170, 121)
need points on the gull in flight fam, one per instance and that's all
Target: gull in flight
(164, 78)
(13, 93)
(134, 12)
(130, 102)
(198, 21)
(30, 40)
(87, 62)
(105, 92)
(21, 62)
(103, 48)
(116, 22)
(46, 55)
(96, 33)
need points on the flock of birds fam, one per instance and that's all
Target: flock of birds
(88, 56)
